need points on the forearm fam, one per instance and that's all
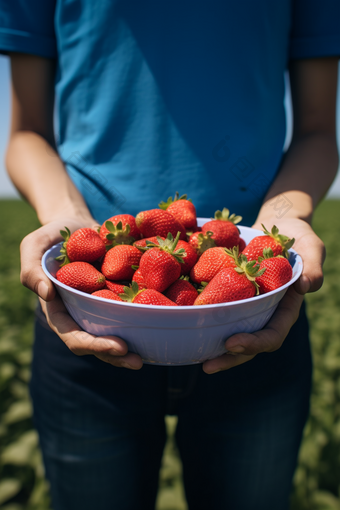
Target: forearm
(307, 171)
(40, 176)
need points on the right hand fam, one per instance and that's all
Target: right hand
(110, 349)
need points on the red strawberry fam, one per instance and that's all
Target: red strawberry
(120, 229)
(201, 242)
(190, 258)
(210, 263)
(232, 283)
(278, 243)
(241, 245)
(81, 276)
(84, 245)
(114, 286)
(161, 265)
(278, 272)
(145, 296)
(118, 261)
(107, 294)
(182, 209)
(182, 293)
(141, 243)
(157, 222)
(225, 232)
(138, 278)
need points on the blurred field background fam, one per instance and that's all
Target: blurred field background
(22, 485)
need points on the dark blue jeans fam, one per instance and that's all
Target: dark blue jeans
(102, 428)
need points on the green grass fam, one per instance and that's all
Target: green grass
(22, 485)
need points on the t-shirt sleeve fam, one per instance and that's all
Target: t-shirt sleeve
(27, 26)
(315, 30)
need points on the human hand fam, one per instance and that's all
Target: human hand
(243, 347)
(110, 349)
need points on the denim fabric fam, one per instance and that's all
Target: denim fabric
(102, 428)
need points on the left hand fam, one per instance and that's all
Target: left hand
(243, 347)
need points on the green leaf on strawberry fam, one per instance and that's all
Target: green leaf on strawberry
(250, 269)
(165, 205)
(284, 241)
(169, 245)
(117, 234)
(225, 215)
(131, 292)
(63, 258)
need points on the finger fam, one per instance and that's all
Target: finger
(225, 362)
(33, 248)
(243, 347)
(313, 253)
(110, 349)
(272, 336)
(32, 276)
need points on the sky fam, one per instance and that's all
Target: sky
(7, 189)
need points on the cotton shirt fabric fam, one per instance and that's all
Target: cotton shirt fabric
(157, 97)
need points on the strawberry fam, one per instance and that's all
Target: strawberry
(81, 276)
(141, 243)
(107, 294)
(84, 245)
(278, 243)
(225, 232)
(120, 229)
(138, 278)
(157, 222)
(114, 286)
(201, 242)
(182, 293)
(190, 258)
(232, 283)
(145, 296)
(241, 245)
(210, 263)
(191, 255)
(161, 265)
(278, 271)
(182, 209)
(118, 261)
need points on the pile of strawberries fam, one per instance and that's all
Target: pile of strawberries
(161, 257)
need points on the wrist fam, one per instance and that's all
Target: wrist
(71, 211)
(288, 205)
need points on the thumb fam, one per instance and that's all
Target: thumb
(32, 276)
(313, 255)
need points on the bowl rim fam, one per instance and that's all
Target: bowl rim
(174, 308)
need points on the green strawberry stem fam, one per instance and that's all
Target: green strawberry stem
(284, 241)
(169, 245)
(117, 234)
(202, 287)
(204, 241)
(268, 254)
(130, 293)
(225, 215)
(63, 258)
(165, 205)
(250, 269)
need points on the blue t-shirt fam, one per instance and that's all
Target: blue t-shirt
(157, 96)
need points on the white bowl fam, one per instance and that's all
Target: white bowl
(178, 335)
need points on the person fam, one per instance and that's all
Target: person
(152, 98)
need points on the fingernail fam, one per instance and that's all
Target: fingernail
(305, 283)
(126, 365)
(238, 349)
(43, 290)
(215, 371)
